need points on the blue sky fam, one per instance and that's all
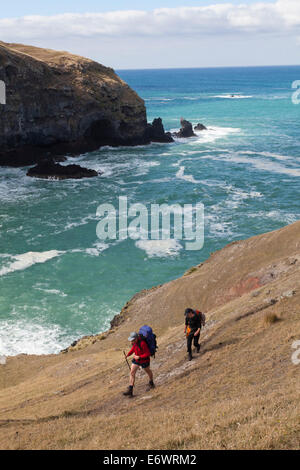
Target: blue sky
(160, 33)
(44, 7)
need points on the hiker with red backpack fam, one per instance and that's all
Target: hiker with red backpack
(142, 348)
(194, 320)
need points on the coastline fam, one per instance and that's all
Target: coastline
(81, 106)
(252, 282)
(246, 348)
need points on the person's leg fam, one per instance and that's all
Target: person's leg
(196, 342)
(189, 344)
(133, 371)
(150, 375)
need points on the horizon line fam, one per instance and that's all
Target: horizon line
(209, 67)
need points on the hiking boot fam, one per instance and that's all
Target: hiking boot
(198, 349)
(190, 356)
(129, 391)
(150, 386)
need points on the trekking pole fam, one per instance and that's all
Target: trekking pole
(126, 360)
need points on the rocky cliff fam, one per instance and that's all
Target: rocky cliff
(60, 103)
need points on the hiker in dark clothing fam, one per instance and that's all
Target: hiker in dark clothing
(141, 359)
(192, 330)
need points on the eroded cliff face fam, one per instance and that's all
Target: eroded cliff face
(59, 103)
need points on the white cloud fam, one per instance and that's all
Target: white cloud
(289, 10)
(281, 17)
(218, 35)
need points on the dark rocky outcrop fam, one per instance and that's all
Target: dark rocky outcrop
(58, 103)
(200, 127)
(156, 132)
(49, 169)
(186, 129)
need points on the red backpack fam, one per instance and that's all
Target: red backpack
(202, 318)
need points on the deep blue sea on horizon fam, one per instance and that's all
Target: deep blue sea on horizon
(58, 281)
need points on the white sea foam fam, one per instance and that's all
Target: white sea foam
(191, 98)
(220, 229)
(274, 167)
(265, 154)
(159, 248)
(156, 180)
(208, 135)
(258, 163)
(159, 180)
(143, 167)
(213, 133)
(237, 196)
(180, 174)
(137, 166)
(28, 337)
(276, 215)
(120, 148)
(233, 96)
(97, 248)
(159, 99)
(26, 260)
(187, 158)
(130, 183)
(58, 292)
(15, 186)
(83, 221)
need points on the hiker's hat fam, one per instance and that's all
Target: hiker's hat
(133, 336)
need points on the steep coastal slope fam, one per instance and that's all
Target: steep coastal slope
(242, 391)
(58, 102)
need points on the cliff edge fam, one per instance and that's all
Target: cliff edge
(58, 103)
(240, 392)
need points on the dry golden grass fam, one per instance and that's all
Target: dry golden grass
(240, 392)
(271, 318)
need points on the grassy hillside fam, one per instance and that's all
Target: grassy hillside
(241, 391)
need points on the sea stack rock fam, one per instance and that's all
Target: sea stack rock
(156, 132)
(200, 127)
(48, 169)
(186, 129)
(58, 103)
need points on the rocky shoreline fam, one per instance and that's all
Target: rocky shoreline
(61, 104)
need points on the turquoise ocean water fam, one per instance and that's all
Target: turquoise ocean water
(58, 281)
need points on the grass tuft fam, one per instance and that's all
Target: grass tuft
(271, 318)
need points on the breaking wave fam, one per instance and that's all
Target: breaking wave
(26, 260)
(159, 248)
